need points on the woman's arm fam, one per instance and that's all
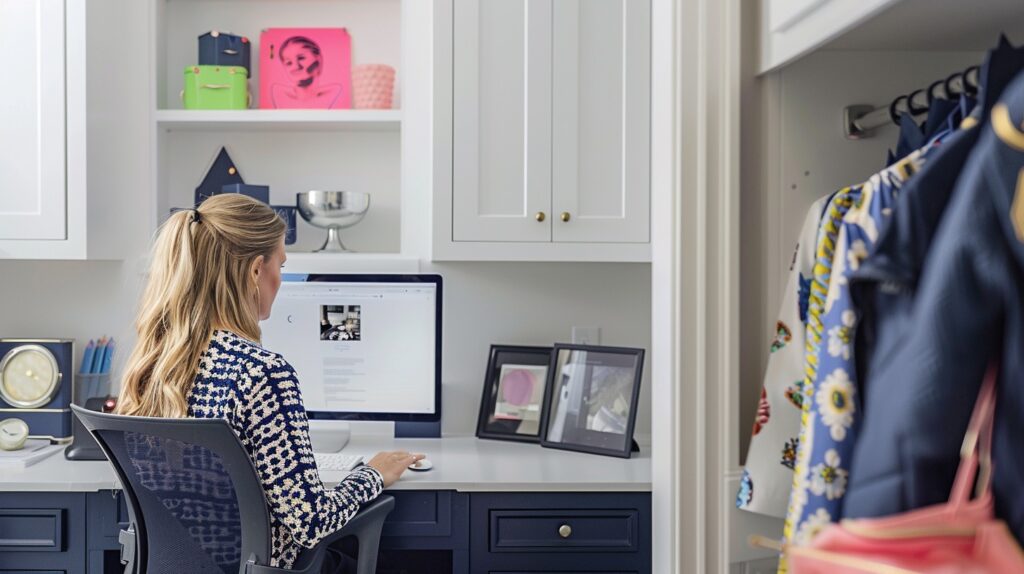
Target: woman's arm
(273, 422)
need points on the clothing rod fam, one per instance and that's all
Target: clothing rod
(860, 120)
(872, 120)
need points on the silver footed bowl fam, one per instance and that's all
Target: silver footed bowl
(332, 210)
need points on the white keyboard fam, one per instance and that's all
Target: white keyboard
(336, 460)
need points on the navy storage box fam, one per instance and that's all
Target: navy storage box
(287, 213)
(221, 173)
(260, 192)
(221, 49)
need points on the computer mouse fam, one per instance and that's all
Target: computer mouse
(421, 465)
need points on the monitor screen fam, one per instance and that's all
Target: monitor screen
(363, 346)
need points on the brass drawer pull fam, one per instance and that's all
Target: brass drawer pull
(541, 216)
(566, 217)
(565, 531)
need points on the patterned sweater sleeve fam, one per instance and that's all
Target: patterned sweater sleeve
(273, 422)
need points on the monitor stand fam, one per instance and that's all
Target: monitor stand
(329, 436)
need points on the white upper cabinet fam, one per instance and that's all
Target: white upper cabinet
(502, 114)
(542, 130)
(32, 160)
(58, 199)
(601, 130)
(791, 29)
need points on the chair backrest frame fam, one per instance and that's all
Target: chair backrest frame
(213, 434)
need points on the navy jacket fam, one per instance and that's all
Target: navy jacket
(968, 310)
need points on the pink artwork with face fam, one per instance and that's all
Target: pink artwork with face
(305, 68)
(517, 387)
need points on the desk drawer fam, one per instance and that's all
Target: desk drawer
(426, 513)
(32, 530)
(564, 530)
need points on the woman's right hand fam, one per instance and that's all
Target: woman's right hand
(392, 464)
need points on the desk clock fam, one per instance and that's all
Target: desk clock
(36, 381)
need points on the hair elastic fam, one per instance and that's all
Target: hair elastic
(196, 217)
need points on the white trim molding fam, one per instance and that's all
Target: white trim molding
(695, 279)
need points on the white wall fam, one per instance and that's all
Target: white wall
(536, 304)
(513, 303)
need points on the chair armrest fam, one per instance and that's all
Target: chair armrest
(366, 526)
(127, 540)
(368, 520)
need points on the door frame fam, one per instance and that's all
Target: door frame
(695, 167)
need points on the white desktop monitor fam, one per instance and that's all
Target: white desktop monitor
(364, 347)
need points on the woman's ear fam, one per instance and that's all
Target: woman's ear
(257, 264)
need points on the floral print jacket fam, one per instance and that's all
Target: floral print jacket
(829, 429)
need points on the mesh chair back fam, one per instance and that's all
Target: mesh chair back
(196, 501)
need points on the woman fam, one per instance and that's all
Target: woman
(214, 275)
(303, 63)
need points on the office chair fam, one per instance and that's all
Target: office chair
(196, 503)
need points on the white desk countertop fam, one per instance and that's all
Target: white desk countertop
(463, 463)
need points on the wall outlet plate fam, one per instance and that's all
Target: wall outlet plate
(586, 335)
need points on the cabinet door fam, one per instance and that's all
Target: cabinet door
(32, 142)
(601, 111)
(502, 120)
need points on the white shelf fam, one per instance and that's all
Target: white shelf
(305, 262)
(903, 25)
(279, 120)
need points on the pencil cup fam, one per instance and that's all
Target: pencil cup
(91, 386)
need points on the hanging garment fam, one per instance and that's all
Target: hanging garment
(911, 137)
(768, 475)
(939, 112)
(884, 288)
(829, 431)
(969, 306)
(824, 250)
(959, 536)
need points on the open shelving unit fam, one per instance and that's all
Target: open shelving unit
(289, 150)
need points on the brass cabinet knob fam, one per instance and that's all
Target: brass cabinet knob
(540, 216)
(565, 531)
(566, 217)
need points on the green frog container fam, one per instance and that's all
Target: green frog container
(216, 88)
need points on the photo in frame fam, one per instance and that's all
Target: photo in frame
(591, 399)
(305, 68)
(514, 391)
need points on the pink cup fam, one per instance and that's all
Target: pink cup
(372, 86)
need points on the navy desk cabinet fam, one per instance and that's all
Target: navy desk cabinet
(42, 532)
(560, 532)
(487, 507)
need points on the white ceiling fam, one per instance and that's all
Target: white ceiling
(938, 25)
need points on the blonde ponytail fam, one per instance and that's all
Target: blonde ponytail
(199, 278)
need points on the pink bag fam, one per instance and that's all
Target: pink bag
(961, 536)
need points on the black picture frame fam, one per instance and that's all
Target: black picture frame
(598, 379)
(528, 365)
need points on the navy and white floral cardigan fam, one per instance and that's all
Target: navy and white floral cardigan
(256, 391)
